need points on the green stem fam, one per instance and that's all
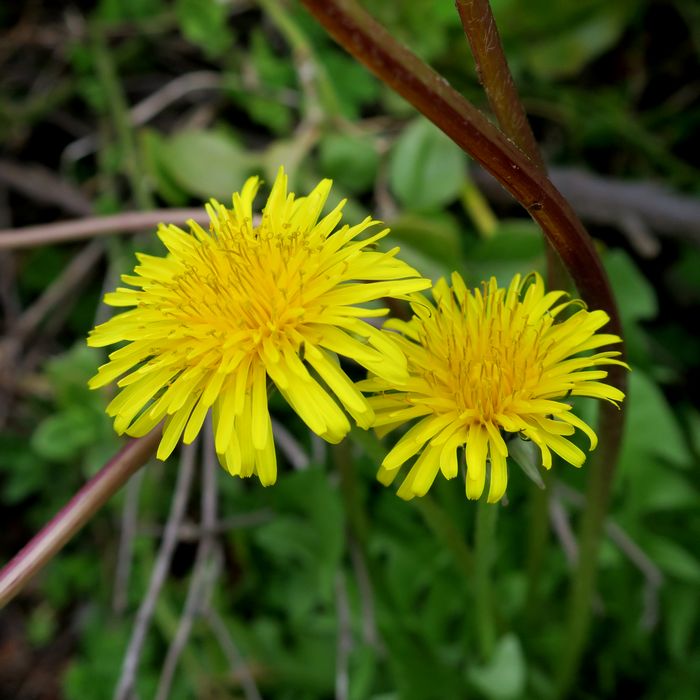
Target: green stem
(484, 552)
(349, 491)
(444, 528)
(478, 209)
(305, 59)
(584, 578)
(538, 538)
(118, 113)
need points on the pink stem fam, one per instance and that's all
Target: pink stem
(51, 538)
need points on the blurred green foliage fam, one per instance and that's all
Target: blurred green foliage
(286, 94)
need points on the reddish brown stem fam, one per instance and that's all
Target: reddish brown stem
(51, 538)
(432, 95)
(494, 75)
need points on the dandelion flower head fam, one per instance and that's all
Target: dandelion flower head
(485, 366)
(230, 311)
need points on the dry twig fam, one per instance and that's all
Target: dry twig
(235, 660)
(127, 677)
(91, 227)
(200, 583)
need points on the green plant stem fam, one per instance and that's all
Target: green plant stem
(478, 209)
(583, 589)
(349, 491)
(118, 113)
(537, 540)
(444, 528)
(484, 554)
(84, 504)
(307, 63)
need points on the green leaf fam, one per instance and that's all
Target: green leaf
(63, 435)
(205, 163)
(204, 23)
(681, 618)
(117, 11)
(651, 426)
(308, 528)
(634, 293)
(69, 374)
(275, 73)
(566, 53)
(674, 559)
(427, 169)
(351, 160)
(430, 244)
(516, 246)
(503, 677)
(153, 148)
(558, 40)
(356, 86)
(22, 470)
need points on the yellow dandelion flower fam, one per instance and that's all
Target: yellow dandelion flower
(485, 365)
(227, 311)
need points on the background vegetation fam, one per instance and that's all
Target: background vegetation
(328, 584)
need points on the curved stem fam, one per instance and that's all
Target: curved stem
(495, 77)
(51, 538)
(432, 95)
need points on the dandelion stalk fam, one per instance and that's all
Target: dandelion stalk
(84, 504)
(484, 553)
(495, 77)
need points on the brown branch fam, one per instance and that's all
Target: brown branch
(495, 77)
(90, 227)
(432, 95)
(201, 582)
(43, 185)
(130, 512)
(239, 669)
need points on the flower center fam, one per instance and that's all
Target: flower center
(485, 365)
(246, 287)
